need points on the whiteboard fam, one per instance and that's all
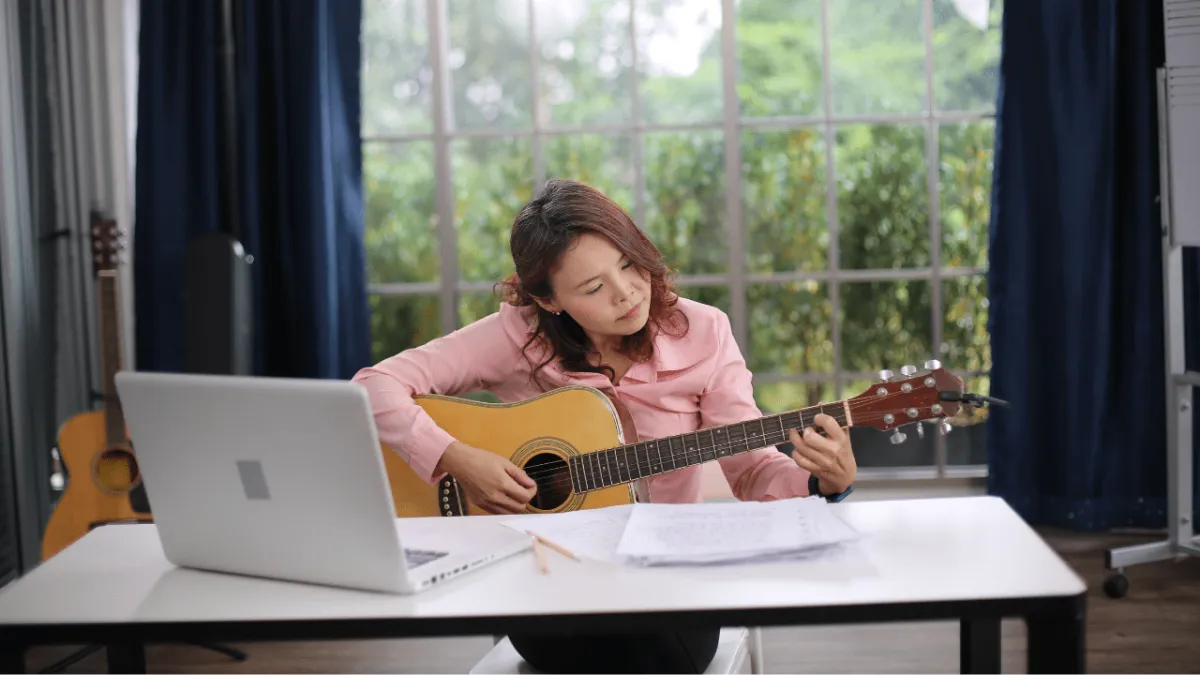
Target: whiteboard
(1179, 98)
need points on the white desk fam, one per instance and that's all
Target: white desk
(971, 559)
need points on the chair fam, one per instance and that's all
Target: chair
(737, 649)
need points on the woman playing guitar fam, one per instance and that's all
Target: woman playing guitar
(591, 303)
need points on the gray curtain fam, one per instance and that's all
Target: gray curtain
(65, 84)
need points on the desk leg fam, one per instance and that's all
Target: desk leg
(126, 657)
(12, 657)
(979, 645)
(1057, 642)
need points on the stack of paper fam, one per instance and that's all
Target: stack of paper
(694, 534)
(717, 533)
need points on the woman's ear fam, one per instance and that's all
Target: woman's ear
(548, 305)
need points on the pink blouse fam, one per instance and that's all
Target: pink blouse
(691, 383)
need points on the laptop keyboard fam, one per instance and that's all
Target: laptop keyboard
(417, 557)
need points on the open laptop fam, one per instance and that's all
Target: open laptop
(284, 478)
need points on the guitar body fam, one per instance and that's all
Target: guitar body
(102, 478)
(537, 434)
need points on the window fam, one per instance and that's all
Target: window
(819, 169)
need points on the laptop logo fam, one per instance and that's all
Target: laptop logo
(254, 481)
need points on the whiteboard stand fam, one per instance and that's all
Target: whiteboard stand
(1179, 166)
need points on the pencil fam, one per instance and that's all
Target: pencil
(541, 555)
(552, 545)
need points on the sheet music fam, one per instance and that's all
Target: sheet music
(731, 531)
(694, 534)
(592, 533)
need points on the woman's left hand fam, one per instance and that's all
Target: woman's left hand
(830, 459)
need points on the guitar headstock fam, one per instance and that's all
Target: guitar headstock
(916, 396)
(108, 243)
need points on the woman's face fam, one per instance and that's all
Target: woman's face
(601, 289)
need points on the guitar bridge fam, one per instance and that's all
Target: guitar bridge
(451, 500)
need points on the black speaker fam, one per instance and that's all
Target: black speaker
(218, 304)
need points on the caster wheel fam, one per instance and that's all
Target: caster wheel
(1116, 586)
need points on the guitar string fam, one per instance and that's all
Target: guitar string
(853, 406)
(717, 446)
(564, 474)
(566, 477)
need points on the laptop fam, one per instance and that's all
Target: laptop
(284, 478)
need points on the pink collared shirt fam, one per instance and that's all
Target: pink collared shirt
(691, 383)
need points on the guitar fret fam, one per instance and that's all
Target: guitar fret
(708, 450)
(736, 438)
(656, 460)
(622, 457)
(721, 446)
(635, 470)
(588, 479)
(674, 449)
(593, 465)
(783, 434)
(574, 476)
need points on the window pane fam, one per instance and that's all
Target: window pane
(965, 342)
(400, 228)
(604, 162)
(784, 187)
(488, 52)
(474, 305)
(967, 441)
(492, 180)
(965, 175)
(885, 325)
(966, 52)
(717, 296)
(679, 60)
(396, 72)
(779, 58)
(877, 56)
(685, 203)
(883, 198)
(401, 322)
(874, 448)
(584, 71)
(789, 326)
(778, 397)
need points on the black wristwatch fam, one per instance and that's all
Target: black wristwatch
(814, 489)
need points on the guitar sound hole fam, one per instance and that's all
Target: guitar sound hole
(116, 470)
(553, 478)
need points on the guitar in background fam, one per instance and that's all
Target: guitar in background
(103, 483)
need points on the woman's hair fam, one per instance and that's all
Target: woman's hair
(542, 232)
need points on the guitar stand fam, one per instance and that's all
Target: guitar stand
(63, 664)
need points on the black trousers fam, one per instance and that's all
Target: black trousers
(668, 651)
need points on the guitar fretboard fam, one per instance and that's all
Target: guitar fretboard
(627, 463)
(110, 345)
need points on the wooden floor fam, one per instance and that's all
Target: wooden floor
(1156, 628)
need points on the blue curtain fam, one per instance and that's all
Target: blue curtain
(1075, 281)
(299, 169)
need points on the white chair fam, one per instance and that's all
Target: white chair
(737, 649)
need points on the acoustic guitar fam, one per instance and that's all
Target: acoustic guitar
(569, 441)
(103, 481)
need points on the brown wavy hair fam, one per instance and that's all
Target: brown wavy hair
(542, 232)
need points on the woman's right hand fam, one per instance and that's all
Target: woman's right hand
(491, 482)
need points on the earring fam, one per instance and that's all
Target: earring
(558, 312)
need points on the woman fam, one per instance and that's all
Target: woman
(591, 303)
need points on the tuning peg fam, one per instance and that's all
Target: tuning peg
(908, 371)
(885, 375)
(945, 427)
(933, 364)
(897, 437)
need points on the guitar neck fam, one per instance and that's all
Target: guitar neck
(627, 463)
(110, 356)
